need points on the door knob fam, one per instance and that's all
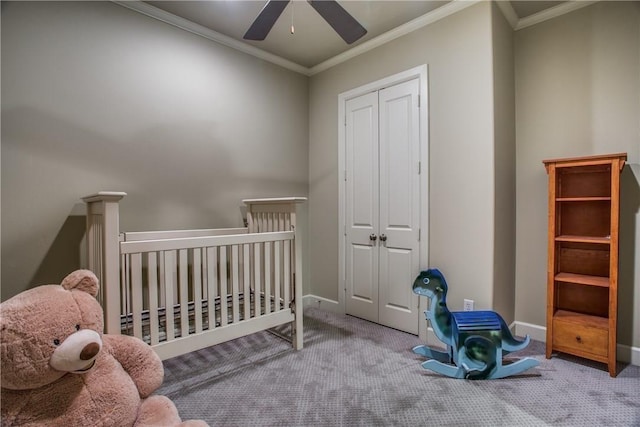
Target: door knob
(373, 237)
(383, 238)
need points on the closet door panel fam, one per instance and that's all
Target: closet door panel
(362, 201)
(399, 205)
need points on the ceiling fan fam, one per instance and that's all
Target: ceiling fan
(340, 20)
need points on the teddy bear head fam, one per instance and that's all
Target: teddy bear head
(50, 331)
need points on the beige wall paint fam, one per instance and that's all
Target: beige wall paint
(98, 97)
(505, 167)
(577, 93)
(458, 52)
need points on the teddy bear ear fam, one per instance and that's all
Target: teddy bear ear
(82, 280)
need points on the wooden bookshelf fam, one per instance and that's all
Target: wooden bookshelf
(582, 267)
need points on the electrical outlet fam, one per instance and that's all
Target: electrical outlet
(468, 305)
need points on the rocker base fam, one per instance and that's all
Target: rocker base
(440, 362)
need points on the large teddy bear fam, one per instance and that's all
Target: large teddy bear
(59, 369)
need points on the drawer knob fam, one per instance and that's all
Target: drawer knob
(579, 339)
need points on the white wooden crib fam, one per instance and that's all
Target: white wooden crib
(183, 290)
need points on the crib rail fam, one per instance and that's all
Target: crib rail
(174, 289)
(182, 290)
(177, 234)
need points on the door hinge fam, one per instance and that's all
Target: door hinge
(419, 168)
(419, 233)
(345, 174)
(418, 101)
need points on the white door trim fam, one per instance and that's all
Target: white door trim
(421, 72)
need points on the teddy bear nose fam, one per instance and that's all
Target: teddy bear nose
(89, 351)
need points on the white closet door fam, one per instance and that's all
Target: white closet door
(362, 206)
(399, 261)
(382, 201)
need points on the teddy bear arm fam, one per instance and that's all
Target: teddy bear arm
(139, 361)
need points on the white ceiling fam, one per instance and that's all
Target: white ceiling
(314, 43)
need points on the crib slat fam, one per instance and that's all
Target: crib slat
(277, 280)
(223, 287)
(247, 282)
(168, 291)
(267, 278)
(287, 273)
(161, 282)
(256, 268)
(152, 266)
(196, 273)
(136, 294)
(125, 297)
(235, 267)
(212, 273)
(183, 287)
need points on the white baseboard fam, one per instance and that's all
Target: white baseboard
(629, 354)
(625, 353)
(536, 332)
(320, 302)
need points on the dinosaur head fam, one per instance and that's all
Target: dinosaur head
(430, 283)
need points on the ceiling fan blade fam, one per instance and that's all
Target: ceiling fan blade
(266, 19)
(343, 23)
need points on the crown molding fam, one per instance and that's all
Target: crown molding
(422, 21)
(171, 19)
(192, 27)
(508, 12)
(552, 12)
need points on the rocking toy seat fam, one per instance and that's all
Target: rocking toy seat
(466, 321)
(476, 340)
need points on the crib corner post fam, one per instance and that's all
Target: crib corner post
(103, 252)
(281, 214)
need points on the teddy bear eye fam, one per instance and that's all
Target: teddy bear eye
(77, 327)
(56, 341)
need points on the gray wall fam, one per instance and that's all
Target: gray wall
(577, 93)
(458, 51)
(505, 167)
(98, 97)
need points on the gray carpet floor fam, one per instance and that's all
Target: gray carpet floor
(355, 373)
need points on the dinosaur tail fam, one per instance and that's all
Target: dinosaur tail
(509, 342)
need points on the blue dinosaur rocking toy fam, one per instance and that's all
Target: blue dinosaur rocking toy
(476, 340)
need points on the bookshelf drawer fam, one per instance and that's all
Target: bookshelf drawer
(579, 339)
